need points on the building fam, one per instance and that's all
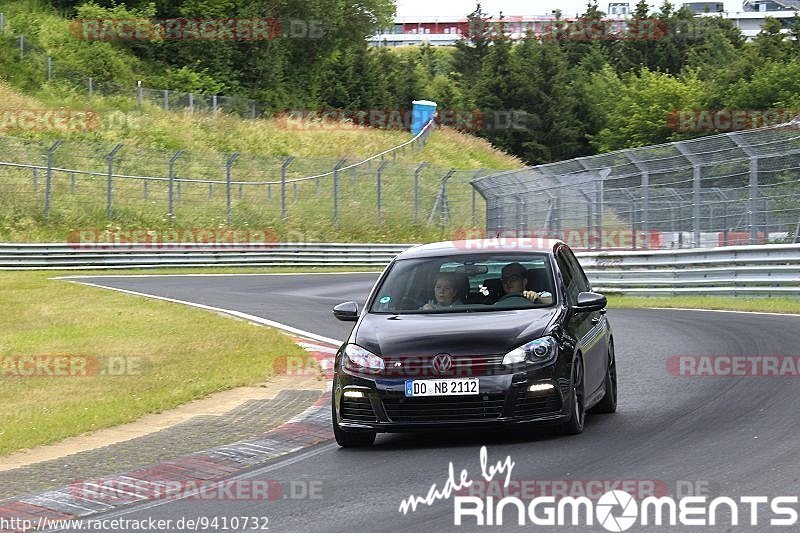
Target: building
(771, 5)
(443, 31)
(750, 22)
(618, 9)
(705, 7)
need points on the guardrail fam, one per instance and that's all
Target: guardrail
(767, 270)
(74, 256)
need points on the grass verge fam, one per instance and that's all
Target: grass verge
(181, 356)
(766, 305)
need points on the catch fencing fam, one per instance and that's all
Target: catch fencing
(726, 189)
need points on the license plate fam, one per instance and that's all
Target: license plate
(442, 387)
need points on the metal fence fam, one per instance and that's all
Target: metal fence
(62, 179)
(48, 68)
(725, 189)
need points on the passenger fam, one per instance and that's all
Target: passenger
(445, 292)
(514, 280)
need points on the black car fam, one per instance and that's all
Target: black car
(418, 359)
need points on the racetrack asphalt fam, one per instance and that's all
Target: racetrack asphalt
(732, 436)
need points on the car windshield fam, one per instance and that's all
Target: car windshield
(460, 283)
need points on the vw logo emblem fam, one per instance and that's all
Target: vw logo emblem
(442, 363)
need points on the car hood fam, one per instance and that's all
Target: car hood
(481, 333)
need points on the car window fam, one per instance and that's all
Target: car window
(475, 280)
(572, 278)
(576, 271)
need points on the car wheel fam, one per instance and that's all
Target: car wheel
(577, 408)
(350, 439)
(608, 404)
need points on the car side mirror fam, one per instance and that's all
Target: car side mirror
(347, 311)
(589, 301)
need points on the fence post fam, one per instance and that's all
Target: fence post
(49, 177)
(210, 190)
(228, 164)
(285, 166)
(797, 233)
(49, 68)
(144, 187)
(380, 172)
(21, 47)
(335, 191)
(752, 206)
(72, 183)
(441, 200)
(172, 184)
(166, 99)
(214, 102)
(645, 198)
(474, 195)
(91, 86)
(139, 93)
(252, 109)
(191, 102)
(109, 189)
(35, 180)
(416, 189)
(697, 170)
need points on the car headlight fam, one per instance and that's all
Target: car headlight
(358, 359)
(539, 350)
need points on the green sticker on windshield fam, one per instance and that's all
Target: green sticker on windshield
(385, 299)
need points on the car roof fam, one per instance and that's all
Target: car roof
(503, 245)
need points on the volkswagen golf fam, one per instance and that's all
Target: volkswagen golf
(471, 334)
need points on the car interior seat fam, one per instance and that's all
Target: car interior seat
(495, 288)
(538, 280)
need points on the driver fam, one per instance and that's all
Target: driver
(514, 280)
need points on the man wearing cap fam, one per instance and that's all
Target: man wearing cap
(514, 280)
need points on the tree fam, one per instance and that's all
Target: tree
(470, 53)
(636, 107)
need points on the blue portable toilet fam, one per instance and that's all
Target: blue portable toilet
(422, 112)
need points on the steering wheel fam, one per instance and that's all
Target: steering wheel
(513, 295)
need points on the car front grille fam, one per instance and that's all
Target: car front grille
(444, 409)
(357, 409)
(462, 366)
(530, 405)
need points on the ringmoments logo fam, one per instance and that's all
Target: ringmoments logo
(615, 510)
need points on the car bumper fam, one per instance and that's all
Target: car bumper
(504, 400)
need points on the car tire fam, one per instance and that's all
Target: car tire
(574, 425)
(608, 404)
(350, 439)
